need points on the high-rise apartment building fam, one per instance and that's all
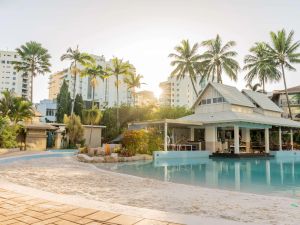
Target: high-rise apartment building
(12, 80)
(179, 92)
(105, 92)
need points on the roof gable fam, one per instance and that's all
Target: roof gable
(262, 101)
(231, 94)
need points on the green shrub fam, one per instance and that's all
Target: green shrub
(141, 142)
(135, 141)
(8, 133)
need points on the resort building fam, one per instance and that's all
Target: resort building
(279, 97)
(105, 92)
(144, 98)
(11, 79)
(226, 120)
(179, 92)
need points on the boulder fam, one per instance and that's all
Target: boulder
(84, 158)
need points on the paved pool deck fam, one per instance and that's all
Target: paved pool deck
(20, 209)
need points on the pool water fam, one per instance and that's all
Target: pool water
(262, 176)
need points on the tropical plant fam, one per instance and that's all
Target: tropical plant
(93, 71)
(34, 61)
(76, 57)
(74, 129)
(284, 51)
(63, 102)
(219, 58)
(260, 66)
(8, 133)
(133, 81)
(15, 108)
(119, 68)
(79, 106)
(92, 117)
(254, 87)
(167, 112)
(186, 61)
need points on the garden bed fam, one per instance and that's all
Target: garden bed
(112, 159)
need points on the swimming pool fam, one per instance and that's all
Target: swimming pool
(262, 176)
(46, 154)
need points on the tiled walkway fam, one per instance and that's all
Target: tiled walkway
(17, 209)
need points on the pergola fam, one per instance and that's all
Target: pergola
(168, 123)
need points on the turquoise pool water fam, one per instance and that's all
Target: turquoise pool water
(261, 176)
(47, 154)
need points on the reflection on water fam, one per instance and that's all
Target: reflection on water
(275, 176)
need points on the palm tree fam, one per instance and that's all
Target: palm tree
(92, 116)
(34, 61)
(93, 71)
(76, 57)
(119, 68)
(254, 87)
(284, 52)
(186, 61)
(133, 81)
(260, 66)
(219, 58)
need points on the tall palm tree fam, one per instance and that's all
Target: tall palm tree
(119, 68)
(34, 61)
(76, 57)
(260, 66)
(93, 71)
(133, 81)
(186, 61)
(284, 51)
(219, 58)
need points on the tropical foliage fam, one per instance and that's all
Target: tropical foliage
(8, 133)
(34, 61)
(218, 58)
(119, 68)
(186, 61)
(284, 52)
(254, 87)
(74, 129)
(63, 102)
(141, 142)
(93, 71)
(92, 117)
(129, 114)
(15, 108)
(76, 58)
(133, 81)
(260, 66)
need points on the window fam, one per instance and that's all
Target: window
(14, 78)
(221, 99)
(215, 100)
(3, 61)
(203, 101)
(208, 101)
(50, 112)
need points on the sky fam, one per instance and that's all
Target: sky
(144, 32)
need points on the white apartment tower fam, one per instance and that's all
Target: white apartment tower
(12, 80)
(179, 92)
(105, 92)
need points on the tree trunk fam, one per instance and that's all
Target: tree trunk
(31, 89)
(193, 84)
(118, 122)
(74, 88)
(286, 93)
(263, 83)
(106, 89)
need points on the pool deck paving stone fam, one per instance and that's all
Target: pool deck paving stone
(18, 209)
